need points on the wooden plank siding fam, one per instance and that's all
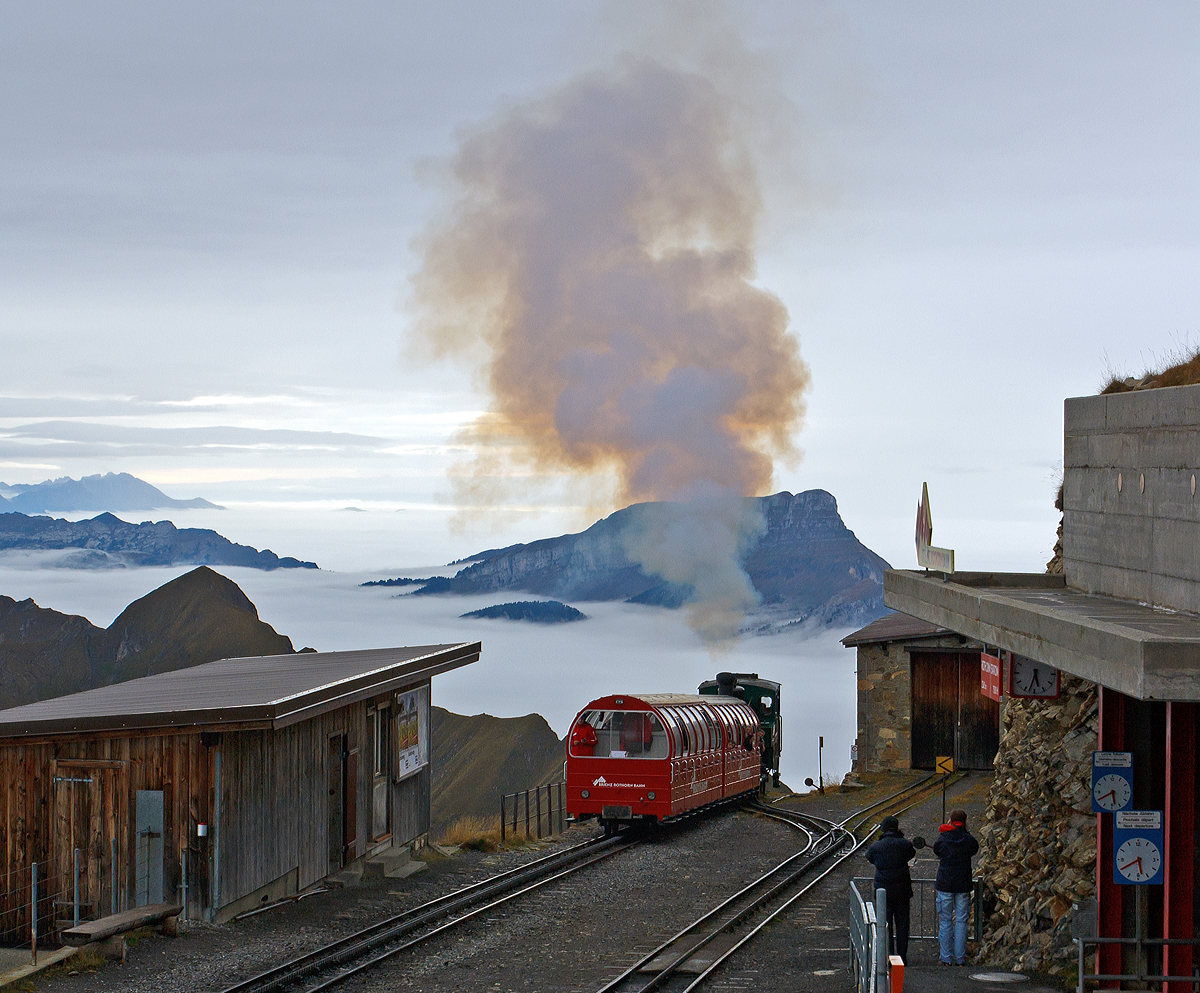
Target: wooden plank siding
(274, 812)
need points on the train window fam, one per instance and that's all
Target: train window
(685, 735)
(672, 723)
(619, 734)
(714, 734)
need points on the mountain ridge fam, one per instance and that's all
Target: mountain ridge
(806, 565)
(198, 617)
(112, 541)
(116, 492)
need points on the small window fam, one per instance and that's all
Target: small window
(766, 702)
(383, 742)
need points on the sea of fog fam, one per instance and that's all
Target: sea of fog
(552, 670)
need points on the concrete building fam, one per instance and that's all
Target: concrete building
(917, 675)
(215, 786)
(1124, 615)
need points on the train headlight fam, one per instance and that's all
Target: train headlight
(584, 793)
(650, 795)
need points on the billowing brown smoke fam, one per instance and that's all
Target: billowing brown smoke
(597, 258)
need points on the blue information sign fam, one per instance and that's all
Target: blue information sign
(1138, 847)
(1112, 781)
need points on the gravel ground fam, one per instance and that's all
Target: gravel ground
(571, 936)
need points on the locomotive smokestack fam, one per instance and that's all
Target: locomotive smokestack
(597, 251)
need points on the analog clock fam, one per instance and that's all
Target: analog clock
(1139, 859)
(1112, 792)
(1031, 678)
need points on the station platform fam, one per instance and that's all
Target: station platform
(968, 979)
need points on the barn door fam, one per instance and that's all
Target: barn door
(148, 817)
(950, 716)
(79, 824)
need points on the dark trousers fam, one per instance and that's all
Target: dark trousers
(897, 919)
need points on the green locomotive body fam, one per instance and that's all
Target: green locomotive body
(763, 696)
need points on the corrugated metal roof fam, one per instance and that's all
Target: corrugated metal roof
(896, 626)
(271, 689)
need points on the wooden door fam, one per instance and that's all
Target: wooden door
(350, 805)
(79, 825)
(335, 759)
(950, 716)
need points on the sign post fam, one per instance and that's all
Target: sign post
(944, 764)
(929, 557)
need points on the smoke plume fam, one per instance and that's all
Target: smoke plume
(596, 257)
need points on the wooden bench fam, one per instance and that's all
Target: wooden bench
(130, 920)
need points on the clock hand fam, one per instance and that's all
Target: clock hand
(1137, 861)
(1111, 793)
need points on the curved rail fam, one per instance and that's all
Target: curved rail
(768, 892)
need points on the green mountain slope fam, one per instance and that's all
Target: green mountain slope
(477, 759)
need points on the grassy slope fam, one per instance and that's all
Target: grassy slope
(476, 759)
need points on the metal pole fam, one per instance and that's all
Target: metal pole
(183, 876)
(502, 799)
(527, 815)
(113, 894)
(76, 924)
(882, 936)
(562, 807)
(516, 808)
(33, 916)
(821, 761)
(538, 792)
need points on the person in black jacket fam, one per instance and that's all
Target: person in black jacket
(954, 848)
(890, 855)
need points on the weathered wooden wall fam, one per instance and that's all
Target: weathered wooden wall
(273, 813)
(66, 793)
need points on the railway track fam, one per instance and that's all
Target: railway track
(688, 958)
(334, 963)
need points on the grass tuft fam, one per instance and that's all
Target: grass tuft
(482, 834)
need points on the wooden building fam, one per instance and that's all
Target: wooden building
(919, 697)
(225, 784)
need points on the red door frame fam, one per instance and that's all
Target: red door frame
(1109, 909)
(1180, 829)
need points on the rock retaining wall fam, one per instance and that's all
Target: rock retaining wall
(1038, 845)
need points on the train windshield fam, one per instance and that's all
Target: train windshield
(619, 734)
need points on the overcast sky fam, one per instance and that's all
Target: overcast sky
(206, 213)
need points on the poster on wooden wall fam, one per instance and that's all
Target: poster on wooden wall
(412, 732)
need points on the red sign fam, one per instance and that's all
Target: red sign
(989, 671)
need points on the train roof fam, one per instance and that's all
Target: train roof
(748, 679)
(668, 699)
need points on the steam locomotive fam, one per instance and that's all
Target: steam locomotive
(659, 756)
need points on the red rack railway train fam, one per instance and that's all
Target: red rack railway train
(658, 756)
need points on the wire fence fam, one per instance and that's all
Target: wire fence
(40, 900)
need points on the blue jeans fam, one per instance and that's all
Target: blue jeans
(953, 909)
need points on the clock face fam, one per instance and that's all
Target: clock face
(1112, 792)
(1139, 859)
(1033, 678)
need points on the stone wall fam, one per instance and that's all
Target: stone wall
(1038, 845)
(885, 701)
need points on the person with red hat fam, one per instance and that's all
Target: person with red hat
(954, 848)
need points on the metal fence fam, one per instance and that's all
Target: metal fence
(868, 941)
(923, 916)
(537, 816)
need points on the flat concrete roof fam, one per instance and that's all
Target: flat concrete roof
(1146, 652)
(262, 691)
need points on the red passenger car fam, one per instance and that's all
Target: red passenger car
(659, 756)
